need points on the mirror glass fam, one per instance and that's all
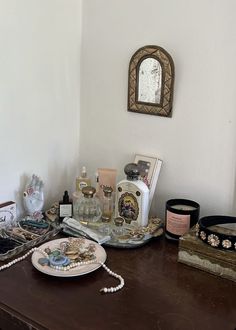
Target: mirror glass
(149, 81)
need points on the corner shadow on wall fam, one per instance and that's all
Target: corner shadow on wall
(234, 197)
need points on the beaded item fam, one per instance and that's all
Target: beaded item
(72, 253)
(216, 239)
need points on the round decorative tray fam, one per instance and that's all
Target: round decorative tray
(78, 270)
(107, 234)
(127, 245)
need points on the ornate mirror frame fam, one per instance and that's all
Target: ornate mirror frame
(164, 108)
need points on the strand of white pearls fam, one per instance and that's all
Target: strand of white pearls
(9, 264)
(119, 277)
(72, 265)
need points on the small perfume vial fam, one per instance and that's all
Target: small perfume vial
(107, 204)
(65, 207)
(132, 198)
(118, 229)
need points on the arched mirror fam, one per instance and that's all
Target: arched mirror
(151, 81)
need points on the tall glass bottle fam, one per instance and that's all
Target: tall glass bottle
(107, 204)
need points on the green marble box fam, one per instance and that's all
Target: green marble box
(194, 252)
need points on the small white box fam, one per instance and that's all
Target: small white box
(7, 214)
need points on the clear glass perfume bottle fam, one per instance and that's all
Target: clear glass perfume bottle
(118, 229)
(89, 208)
(107, 204)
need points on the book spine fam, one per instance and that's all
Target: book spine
(155, 179)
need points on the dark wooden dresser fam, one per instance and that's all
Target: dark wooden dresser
(159, 293)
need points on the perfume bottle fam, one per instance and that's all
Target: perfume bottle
(65, 207)
(132, 198)
(107, 204)
(82, 181)
(118, 229)
(89, 208)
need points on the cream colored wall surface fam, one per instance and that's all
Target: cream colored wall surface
(39, 95)
(197, 144)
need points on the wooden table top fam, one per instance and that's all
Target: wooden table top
(159, 293)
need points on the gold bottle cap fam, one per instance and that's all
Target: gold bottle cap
(105, 218)
(107, 191)
(118, 221)
(88, 191)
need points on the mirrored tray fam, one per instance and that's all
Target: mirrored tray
(126, 245)
(106, 233)
(133, 243)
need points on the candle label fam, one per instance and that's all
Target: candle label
(177, 224)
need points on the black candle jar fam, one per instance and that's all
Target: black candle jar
(181, 215)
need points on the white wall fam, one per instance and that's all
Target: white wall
(40, 76)
(197, 144)
(39, 95)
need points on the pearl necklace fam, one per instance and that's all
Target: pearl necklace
(72, 265)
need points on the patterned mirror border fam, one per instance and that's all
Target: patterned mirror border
(165, 107)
